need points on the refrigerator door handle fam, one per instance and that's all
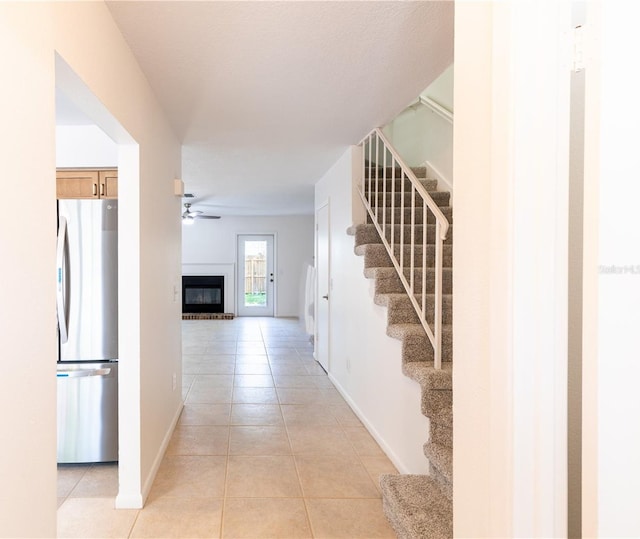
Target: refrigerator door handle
(62, 289)
(83, 373)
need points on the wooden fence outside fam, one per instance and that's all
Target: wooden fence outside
(255, 271)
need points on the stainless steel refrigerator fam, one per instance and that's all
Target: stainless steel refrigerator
(87, 304)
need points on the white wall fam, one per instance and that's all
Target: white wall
(84, 146)
(421, 136)
(210, 242)
(85, 36)
(364, 363)
(441, 89)
(611, 400)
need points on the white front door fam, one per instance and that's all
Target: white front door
(323, 281)
(256, 277)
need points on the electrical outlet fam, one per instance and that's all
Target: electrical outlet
(174, 381)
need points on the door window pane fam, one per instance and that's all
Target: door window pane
(255, 273)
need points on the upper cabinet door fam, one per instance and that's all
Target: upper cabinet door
(80, 183)
(77, 184)
(108, 183)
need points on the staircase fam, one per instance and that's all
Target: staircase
(417, 506)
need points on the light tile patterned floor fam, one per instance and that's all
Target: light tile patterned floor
(265, 448)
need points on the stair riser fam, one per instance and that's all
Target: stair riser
(447, 280)
(447, 257)
(375, 257)
(437, 404)
(398, 184)
(440, 458)
(392, 283)
(416, 507)
(418, 215)
(419, 172)
(401, 311)
(417, 237)
(419, 348)
(442, 435)
(446, 487)
(441, 198)
(367, 234)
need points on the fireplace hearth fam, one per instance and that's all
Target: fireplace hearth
(202, 294)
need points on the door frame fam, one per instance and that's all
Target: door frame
(240, 273)
(318, 296)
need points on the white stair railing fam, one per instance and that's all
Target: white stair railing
(389, 186)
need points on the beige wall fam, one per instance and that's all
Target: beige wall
(27, 313)
(510, 280)
(84, 35)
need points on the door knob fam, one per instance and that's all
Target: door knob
(326, 296)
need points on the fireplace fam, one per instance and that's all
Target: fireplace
(202, 294)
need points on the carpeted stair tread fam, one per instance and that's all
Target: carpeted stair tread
(415, 343)
(441, 198)
(367, 233)
(387, 280)
(375, 255)
(398, 184)
(418, 232)
(400, 303)
(404, 330)
(397, 215)
(416, 507)
(427, 376)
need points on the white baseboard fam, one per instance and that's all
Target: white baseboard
(393, 457)
(146, 488)
(132, 501)
(137, 501)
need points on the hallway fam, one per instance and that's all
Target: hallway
(265, 448)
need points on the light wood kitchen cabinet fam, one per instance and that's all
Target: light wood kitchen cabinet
(108, 183)
(87, 183)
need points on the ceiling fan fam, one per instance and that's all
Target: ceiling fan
(189, 216)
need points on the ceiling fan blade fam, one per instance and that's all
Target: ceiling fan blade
(190, 214)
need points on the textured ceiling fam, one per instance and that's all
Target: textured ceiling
(265, 96)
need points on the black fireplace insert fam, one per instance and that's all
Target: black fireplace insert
(202, 294)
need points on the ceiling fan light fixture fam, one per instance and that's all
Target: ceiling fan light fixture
(188, 220)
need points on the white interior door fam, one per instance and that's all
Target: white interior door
(323, 285)
(256, 276)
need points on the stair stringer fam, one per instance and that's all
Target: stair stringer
(436, 391)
